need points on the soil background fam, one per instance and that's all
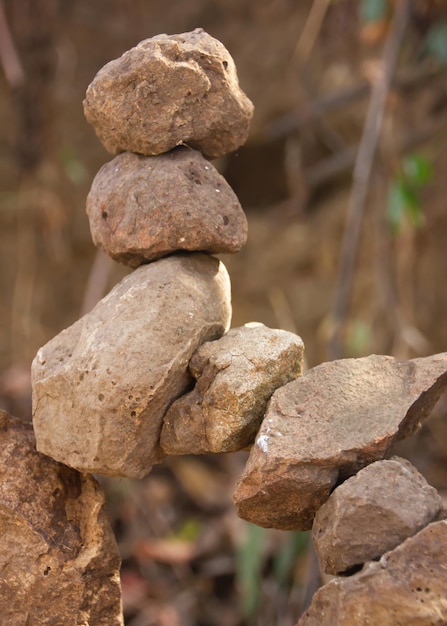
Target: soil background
(180, 540)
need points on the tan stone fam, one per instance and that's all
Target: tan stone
(372, 513)
(236, 376)
(325, 426)
(102, 386)
(170, 90)
(407, 587)
(143, 208)
(59, 561)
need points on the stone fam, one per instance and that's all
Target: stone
(325, 426)
(170, 90)
(143, 208)
(407, 587)
(59, 560)
(101, 387)
(372, 513)
(236, 376)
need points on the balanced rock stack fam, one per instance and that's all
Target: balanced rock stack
(103, 386)
(153, 370)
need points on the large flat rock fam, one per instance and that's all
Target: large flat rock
(407, 587)
(143, 208)
(169, 90)
(102, 386)
(59, 561)
(323, 427)
(372, 513)
(236, 376)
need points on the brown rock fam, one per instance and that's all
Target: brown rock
(372, 513)
(59, 561)
(407, 587)
(236, 376)
(102, 387)
(323, 427)
(142, 208)
(170, 90)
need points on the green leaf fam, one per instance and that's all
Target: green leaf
(417, 170)
(359, 338)
(415, 214)
(403, 202)
(189, 531)
(249, 568)
(296, 544)
(374, 10)
(395, 205)
(436, 41)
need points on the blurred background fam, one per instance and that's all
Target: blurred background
(355, 264)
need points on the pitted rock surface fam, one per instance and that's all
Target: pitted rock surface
(407, 587)
(102, 386)
(236, 376)
(59, 560)
(323, 427)
(372, 513)
(143, 208)
(170, 90)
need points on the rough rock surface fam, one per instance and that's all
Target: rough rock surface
(372, 513)
(59, 561)
(407, 587)
(142, 208)
(323, 427)
(236, 377)
(102, 386)
(170, 90)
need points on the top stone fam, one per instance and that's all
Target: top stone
(170, 90)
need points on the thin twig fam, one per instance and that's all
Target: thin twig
(343, 161)
(9, 56)
(311, 29)
(97, 281)
(408, 80)
(361, 177)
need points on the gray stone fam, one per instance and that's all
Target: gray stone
(325, 426)
(59, 560)
(102, 386)
(236, 377)
(407, 587)
(170, 90)
(372, 513)
(143, 208)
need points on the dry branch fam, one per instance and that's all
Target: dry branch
(361, 177)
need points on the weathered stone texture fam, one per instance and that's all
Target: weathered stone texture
(102, 386)
(170, 90)
(407, 587)
(59, 561)
(372, 513)
(236, 377)
(328, 424)
(143, 208)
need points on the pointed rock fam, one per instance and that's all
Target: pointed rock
(372, 513)
(143, 208)
(170, 90)
(102, 387)
(407, 587)
(236, 375)
(323, 427)
(59, 560)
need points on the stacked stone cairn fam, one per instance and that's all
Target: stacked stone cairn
(153, 370)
